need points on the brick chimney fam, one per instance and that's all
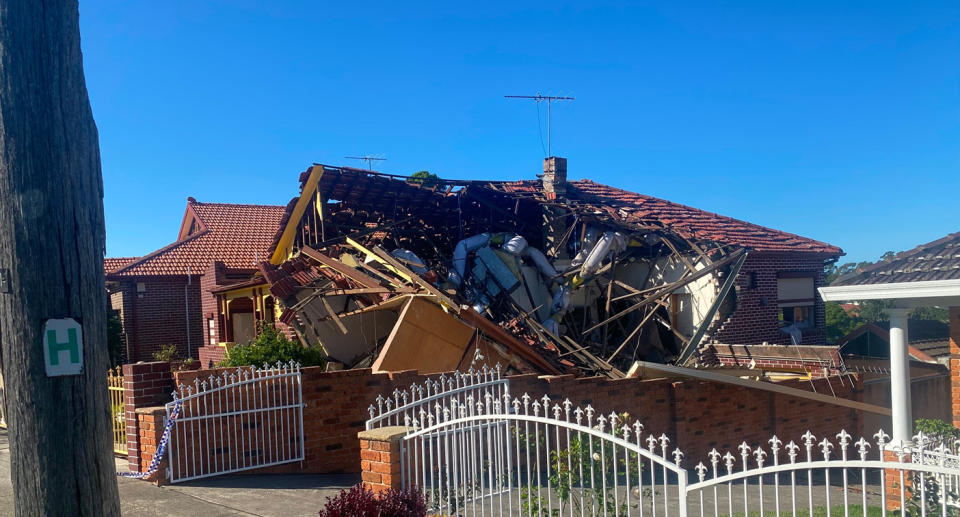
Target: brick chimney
(554, 176)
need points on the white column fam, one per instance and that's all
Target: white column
(900, 377)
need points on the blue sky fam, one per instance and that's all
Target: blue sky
(837, 121)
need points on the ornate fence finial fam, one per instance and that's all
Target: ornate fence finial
(862, 446)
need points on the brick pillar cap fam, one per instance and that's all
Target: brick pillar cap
(384, 434)
(156, 410)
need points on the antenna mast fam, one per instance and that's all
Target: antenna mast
(367, 158)
(540, 98)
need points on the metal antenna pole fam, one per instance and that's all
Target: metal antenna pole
(367, 158)
(539, 98)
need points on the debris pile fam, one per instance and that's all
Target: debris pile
(397, 273)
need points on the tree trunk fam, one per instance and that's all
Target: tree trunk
(52, 243)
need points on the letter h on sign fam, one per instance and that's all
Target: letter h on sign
(63, 347)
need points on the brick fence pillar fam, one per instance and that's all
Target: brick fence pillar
(892, 480)
(380, 457)
(955, 364)
(151, 421)
(144, 385)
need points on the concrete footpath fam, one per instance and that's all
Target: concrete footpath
(267, 496)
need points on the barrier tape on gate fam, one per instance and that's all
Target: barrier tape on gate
(161, 447)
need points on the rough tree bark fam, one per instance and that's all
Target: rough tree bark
(52, 243)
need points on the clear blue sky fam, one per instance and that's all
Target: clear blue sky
(839, 122)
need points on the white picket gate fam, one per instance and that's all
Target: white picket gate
(239, 420)
(403, 405)
(486, 453)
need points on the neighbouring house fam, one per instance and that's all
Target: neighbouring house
(928, 341)
(163, 297)
(928, 275)
(587, 277)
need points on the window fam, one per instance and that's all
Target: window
(212, 332)
(795, 300)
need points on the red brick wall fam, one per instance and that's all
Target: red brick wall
(144, 385)
(696, 416)
(756, 319)
(150, 423)
(955, 364)
(211, 355)
(156, 317)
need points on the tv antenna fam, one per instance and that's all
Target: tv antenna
(367, 158)
(540, 98)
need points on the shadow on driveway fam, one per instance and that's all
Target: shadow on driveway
(249, 495)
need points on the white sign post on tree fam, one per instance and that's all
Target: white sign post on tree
(63, 347)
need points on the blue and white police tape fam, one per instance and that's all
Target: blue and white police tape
(161, 447)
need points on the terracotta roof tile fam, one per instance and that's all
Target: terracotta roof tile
(233, 234)
(687, 221)
(114, 263)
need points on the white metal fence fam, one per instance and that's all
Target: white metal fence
(404, 405)
(486, 453)
(240, 420)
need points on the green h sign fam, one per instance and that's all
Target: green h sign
(72, 345)
(63, 347)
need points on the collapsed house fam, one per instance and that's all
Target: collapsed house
(547, 276)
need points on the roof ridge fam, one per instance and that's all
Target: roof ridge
(217, 203)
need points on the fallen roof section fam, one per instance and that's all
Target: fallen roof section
(567, 277)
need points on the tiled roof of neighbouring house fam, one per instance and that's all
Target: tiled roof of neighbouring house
(236, 235)
(687, 221)
(114, 263)
(937, 260)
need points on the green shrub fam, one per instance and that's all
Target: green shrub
(167, 353)
(271, 346)
(937, 430)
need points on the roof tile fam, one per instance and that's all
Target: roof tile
(234, 234)
(688, 221)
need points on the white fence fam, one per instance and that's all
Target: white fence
(404, 405)
(240, 420)
(486, 453)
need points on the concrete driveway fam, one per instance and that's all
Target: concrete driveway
(274, 495)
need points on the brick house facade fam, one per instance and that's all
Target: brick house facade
(757, 320)
(158, 296)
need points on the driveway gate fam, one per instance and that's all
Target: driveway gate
(240, 420)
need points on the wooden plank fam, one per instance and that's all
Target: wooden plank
(678, 254)
(389, 264)
(390, 260)
(364, 290)
(632, 334)
(725, 289)
(279, 255)
(647, 370)
(333, 315)
(666, 289)
(497, 334)
(340, 267)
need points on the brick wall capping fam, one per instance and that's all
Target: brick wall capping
(144, 367)
(155, 410)
(384, 434)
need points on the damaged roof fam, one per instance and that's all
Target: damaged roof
(691, 223)
(936, 260)
(235, 234)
